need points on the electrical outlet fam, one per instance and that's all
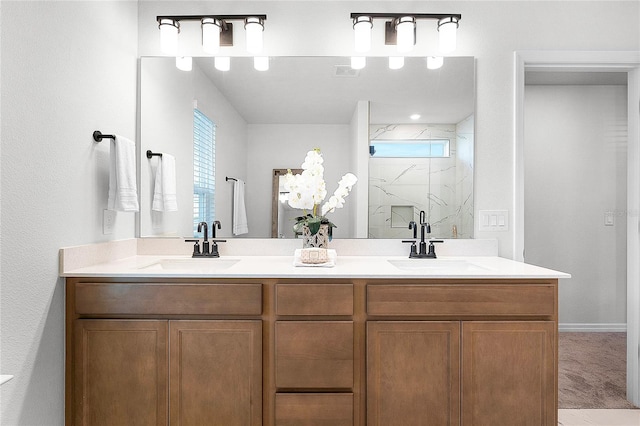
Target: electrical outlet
(108, 222)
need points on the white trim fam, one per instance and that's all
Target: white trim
(593, 328)
(593, 61)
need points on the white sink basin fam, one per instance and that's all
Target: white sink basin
(209, 265)
(436, 265)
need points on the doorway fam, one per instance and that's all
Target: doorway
(627, 63)
(575, 199)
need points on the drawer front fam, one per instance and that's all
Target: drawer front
(462, 300)
(314, 409)
(314, 299)
(314, 354)
(168, 299)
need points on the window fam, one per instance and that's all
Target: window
(419, 148)
(204, 169)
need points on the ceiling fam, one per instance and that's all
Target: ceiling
(325, 90)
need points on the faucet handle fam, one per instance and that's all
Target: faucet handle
(432, 248)
(196, 247)
(214, 248)
(414, 251)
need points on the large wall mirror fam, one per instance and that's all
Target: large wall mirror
(268, 120)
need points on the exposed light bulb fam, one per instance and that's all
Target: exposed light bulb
(434, 62)
(358, 62)
(169, 30)
(261, 63)
(396, 62)
(254, 27)
(447, 28)
(406, 33)
(211, 29)
(184, 63)
(222, 63)
(362, 33)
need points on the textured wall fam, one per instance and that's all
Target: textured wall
(68, 68)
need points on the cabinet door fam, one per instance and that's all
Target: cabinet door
(413, 373)
(215, 373)
(120, 372)
(509, 371)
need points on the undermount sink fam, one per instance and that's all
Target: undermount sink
(198, 264)
(436, 265)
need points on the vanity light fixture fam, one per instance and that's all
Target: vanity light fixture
(184, 63)
(211, 29)
(400, 28)
(222, 63)
(396, 62)
(405, 33)
(261, 63)
(254, 26)
(358, 62)
(169, 30)
(434, 62)
(217, 30)
(362, 33)
(447, 27)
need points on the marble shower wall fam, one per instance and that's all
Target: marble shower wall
(399, 188)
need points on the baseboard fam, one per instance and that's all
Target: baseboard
(593, 328)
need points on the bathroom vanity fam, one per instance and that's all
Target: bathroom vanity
(253, 340)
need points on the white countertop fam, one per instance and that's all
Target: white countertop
(157, 266)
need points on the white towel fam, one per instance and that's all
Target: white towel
(239, 210)
(123, 190)
(164, 191)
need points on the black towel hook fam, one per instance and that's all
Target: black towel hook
(153, 154)
(227, 178)
(98, 136)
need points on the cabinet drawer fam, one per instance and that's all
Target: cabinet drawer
(314, 354)
(314, 299)
(168, 299)
(314, 409)
(462, 300)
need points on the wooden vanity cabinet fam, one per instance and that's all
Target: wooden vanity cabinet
(492, 362)
(129, 362)
(311, 352)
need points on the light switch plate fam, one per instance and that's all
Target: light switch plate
(108, 221)
(609, 219)
(494, 220)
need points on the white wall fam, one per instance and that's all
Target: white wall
(284, 146)
(68, 68)
(576, 172)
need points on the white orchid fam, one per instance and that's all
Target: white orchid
(308, 189)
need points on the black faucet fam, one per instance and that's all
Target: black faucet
(205, 252)
(425, 228)
(205, 241)
(214, 245)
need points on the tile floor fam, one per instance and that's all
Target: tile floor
(599, 417)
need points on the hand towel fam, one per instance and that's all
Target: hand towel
(164, 191)
(123, 190)
(239, 210)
